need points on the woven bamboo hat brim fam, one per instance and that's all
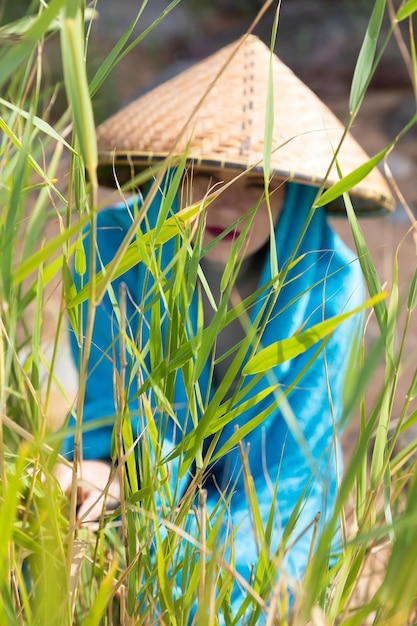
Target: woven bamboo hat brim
(215, 111)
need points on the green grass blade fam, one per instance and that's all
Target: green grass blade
(368, 268)
(39, 213)
(39, 123)
(364, 65)
(13, 59)
(120, 50)
(27, 267)
(31, 160)
(131, 256)
(43, 21)
(412, 294)
(76, 86)
(287, 349)
(350, 180)
(9, 504)
(114, 56)
(14, 212)
(406, 10)
(268, 137)
(101, 601)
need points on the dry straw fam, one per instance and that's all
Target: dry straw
(216, 113)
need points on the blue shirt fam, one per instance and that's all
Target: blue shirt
(288, 416)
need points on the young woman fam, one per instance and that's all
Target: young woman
(269, 268)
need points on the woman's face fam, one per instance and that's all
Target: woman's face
(233, 203)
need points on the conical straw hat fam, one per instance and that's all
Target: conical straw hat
(216, 112)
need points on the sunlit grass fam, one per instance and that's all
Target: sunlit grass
(154, 559)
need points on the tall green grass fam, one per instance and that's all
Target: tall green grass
(53, 571)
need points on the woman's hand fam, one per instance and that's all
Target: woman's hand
(92, 488)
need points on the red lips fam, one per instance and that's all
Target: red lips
(216, 231)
